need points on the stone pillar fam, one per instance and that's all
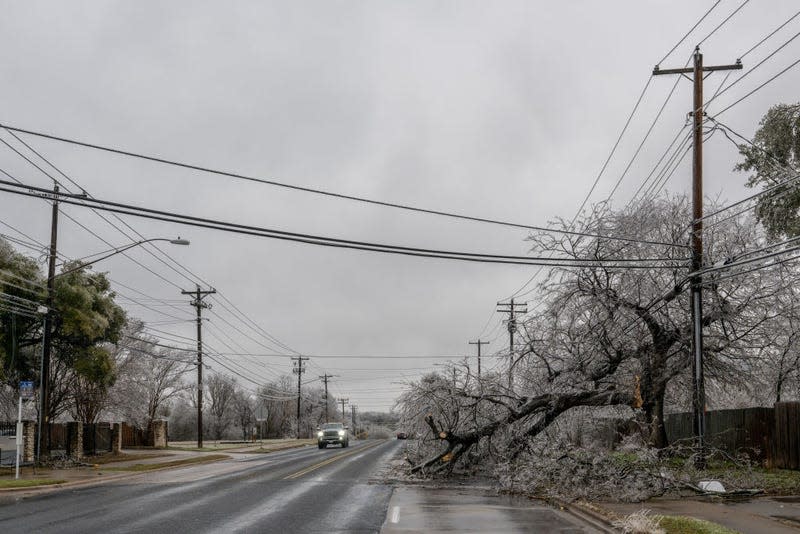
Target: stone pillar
(159, 430)
(116, 438)
(75, 439)
(29, 441)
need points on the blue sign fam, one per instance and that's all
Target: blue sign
(26, 389)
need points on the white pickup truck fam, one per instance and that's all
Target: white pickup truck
(333, 434)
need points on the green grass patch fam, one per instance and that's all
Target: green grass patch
(678, 524)
(29, 482)
(192, 449)
(173, 463)
(122, 457)
(779, 481)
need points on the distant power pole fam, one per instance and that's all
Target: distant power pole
(325, 378)
(343, 401)
(698, 382)
(353, 417)
(479, 343)
(512, 309)
(298, 370)
(198, 303)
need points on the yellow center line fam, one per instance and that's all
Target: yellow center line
(323, 463)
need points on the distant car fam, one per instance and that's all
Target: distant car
(333, 434)
(402, 435)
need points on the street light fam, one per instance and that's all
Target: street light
(115, 251)
(44, 377)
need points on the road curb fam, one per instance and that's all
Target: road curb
(115, 475)
(587, 515)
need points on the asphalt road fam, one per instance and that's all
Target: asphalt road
(296, 491)
(301, 490)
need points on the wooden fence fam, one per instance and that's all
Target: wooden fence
(770, 435)
(786, 442)
(133, 436)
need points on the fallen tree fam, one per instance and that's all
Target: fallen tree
(544, 409)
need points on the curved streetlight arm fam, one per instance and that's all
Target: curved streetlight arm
(177, 241)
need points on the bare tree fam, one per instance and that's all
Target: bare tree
(221, 391)
(149, 378)
(244, 413)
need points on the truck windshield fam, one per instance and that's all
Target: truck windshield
(331, 426)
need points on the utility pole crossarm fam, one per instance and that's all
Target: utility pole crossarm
(690, 70)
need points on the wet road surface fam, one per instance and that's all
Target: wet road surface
(296, 491)
(302, 490)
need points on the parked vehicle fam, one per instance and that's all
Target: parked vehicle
(333, 434)
(402, 435)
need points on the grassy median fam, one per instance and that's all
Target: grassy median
(678, 524)
(29, 482)
(172, 463)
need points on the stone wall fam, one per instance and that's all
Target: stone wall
(75, 439)
(159, 430)
(116, 438)
(29, 441)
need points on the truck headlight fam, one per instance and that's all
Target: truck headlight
(319, 434)
(341, 432)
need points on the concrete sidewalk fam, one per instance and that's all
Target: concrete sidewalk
(777, 515)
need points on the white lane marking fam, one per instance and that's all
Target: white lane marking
(395, 514)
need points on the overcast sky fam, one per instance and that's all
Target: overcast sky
(503, 110)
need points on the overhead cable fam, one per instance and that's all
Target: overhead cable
(682, 39)
(295, 187)
(322, 240)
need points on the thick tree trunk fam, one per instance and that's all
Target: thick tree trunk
(653, 394)
(548, 407)
(658, 432)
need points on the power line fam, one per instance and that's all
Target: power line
(749, 71)
(121, 294)
(781, 73)
(188, 220)
(682, 39)
(67, 177)
(773, 32)
(291, 186)
(721, 24)
(250, 323)
(72, 181)
(352, 356)
(660, 160)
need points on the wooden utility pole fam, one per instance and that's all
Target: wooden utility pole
(343, 402)
(198, 303)
(298, 369)
(698, 382)
(353, 418)
(512, 309)
(47, 341)
(479, 343)
(325, 378)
